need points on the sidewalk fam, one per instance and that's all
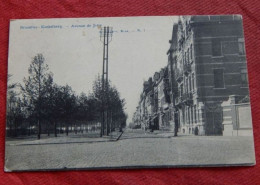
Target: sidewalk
(168, 134)
(63, 139)
(155, 134)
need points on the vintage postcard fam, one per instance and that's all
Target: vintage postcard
(128, 92)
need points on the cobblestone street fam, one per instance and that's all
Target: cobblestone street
(134, 148)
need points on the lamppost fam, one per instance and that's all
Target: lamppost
(105, 37)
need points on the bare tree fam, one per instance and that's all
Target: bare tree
(34, 89)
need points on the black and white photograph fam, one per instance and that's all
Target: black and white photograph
(127, 92)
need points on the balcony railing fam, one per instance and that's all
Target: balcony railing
(187, 98)
(178, 75)
(178, 100)
(187, 68)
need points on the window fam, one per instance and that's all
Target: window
(216, 47)
(191, 108)
(188, 55)
(203, 49)
(230, 47)
(183, 116)
(185, 58)
(187, 85)
(218, 78)
(162, 101)
(188, 115)
(244, 79)
(198, 115)
(241, 46)
(193, 81)
(169, 115)
(190, 83)
(161, 89)
(195, 114)
(186, 29)
(191, 52)
(181, 89)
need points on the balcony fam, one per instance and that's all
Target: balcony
(179, 101)
(178, 75)
(184, 99)
(187, 98)
(187, 68)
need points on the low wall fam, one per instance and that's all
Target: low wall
(237, 119)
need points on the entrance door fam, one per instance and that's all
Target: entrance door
(155, 124)
(214, 118)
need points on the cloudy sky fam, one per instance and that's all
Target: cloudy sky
(74, 53)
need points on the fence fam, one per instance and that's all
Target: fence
(237, 120)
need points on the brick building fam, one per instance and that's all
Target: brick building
(209, 64)
(206, 65)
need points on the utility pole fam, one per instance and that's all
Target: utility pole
(105, 38)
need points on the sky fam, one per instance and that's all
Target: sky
(74, 53)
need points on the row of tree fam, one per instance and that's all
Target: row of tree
(40, 103)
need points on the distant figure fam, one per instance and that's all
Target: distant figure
(196, 131)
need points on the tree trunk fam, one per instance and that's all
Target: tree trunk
(15, 129)
(48, 128)
(39, 130)
(111, 121)
(29, 128)
(176, 123)
(11, 130)
(107, 122)
(102, 124)
(55, 129)
(67, 129)
(80, 129)
(75, 128)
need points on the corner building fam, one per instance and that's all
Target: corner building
(206, 64)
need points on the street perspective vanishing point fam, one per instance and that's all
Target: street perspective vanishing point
(127, 92)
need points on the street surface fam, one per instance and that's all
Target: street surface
(134, 149)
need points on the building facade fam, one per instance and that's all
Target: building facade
(206, 65)
(210, 65)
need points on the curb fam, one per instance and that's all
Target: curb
(76, 142)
